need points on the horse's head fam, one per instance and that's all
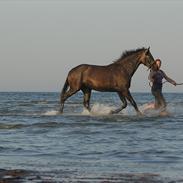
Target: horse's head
(146, 58)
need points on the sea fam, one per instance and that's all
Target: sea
(81, 145)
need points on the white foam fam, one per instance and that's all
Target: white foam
(51, 113)
(98, 109)
(103, 109)
(85, 112)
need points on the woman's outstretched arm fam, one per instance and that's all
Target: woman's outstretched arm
(169, 79)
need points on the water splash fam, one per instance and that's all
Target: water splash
(98, 109)
(51, 113)
(103, 109)
(147, 109)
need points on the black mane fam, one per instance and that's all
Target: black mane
(128, 53)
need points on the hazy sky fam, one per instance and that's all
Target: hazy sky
(40, 41)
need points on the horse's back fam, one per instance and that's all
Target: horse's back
(85, 68)
(80, 67)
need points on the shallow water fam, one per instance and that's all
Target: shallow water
(34, 136)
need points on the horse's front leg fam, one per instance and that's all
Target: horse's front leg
(124, 104)
(86, 99)
(132, 101)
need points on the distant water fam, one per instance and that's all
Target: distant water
(34, 136)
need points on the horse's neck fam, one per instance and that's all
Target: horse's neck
(130, 65)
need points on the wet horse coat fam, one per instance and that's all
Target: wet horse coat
(115, 77)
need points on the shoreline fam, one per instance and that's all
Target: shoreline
(21, 175)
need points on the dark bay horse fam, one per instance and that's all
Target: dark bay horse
(115, 77)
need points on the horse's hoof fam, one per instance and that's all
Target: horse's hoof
(140, 113)
(60, 111)
(113, 112)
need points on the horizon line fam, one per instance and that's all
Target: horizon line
(79, 92)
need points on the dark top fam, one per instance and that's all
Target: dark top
(156, 77)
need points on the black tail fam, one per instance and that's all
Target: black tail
(64, 89)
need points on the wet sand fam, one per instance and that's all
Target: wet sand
(20, 176)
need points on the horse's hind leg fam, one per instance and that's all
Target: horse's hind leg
(65, 96)
(124, 104)
(86, 100)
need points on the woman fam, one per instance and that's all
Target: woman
(156, 76)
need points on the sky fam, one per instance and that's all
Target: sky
(41, 40)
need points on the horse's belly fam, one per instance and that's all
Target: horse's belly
(101, 85)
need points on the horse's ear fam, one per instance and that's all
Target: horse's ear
(147, 50)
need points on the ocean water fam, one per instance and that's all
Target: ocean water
(34, 136)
